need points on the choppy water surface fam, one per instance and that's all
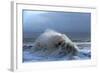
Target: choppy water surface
(28, 56)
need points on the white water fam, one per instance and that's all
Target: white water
(28, 56)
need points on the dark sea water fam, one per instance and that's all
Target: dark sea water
(75, 37)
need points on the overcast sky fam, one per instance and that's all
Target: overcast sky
(38, 21)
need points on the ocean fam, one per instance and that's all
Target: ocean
(82, 40)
